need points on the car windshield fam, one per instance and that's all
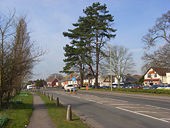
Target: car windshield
(69, 85)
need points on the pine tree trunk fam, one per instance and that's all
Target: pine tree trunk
(89, 70)
(81, 76)
(97, 61)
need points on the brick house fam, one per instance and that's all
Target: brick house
(52, 82)
(157, 76)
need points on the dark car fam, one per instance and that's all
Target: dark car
(154, 86)
(105, 86)
(146, 87)
(137, 86)
(92, 86)
(125, 86)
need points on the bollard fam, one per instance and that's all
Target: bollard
(57, 102)
(69, 113)
(74, 91)
(51, 97)
(87, 88)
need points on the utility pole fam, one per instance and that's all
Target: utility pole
(110, 69)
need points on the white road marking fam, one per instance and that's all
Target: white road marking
(157, 107)
(118, 104)
(132, 107)
(147, 111)
(143, 114)
(165, 118)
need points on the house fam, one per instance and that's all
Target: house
(52, 82)
(157, 76)
(71, 79)
(92, 80)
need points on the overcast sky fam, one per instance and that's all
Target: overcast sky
(48, 19)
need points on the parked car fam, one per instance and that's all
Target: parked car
(167, 86)
(114, 85)
(146, 87)
(105, 87)
(70, 88)
(164, 87)
(125, 86)
(154, 86)
(137, 86)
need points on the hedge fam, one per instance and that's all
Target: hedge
(154, 91)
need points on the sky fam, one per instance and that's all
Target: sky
(48, 19)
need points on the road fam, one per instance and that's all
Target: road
(116, 110)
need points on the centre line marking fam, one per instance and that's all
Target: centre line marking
(142, 114)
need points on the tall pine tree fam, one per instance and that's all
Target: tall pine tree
(100, 24)
(76, 52)
(90, 35)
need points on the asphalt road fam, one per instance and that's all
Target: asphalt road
(115, 110)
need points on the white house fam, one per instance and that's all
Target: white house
(156, 75)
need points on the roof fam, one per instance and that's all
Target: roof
(52, 79)
(130, 79)
(160, 71)
(137, 76)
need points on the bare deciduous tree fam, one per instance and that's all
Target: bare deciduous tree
(120, 61)
(159, 33)
(6, 26)
(17, 56)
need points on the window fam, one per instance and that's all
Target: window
(155, 75)
(149, 75)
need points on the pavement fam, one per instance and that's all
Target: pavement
(40, 117)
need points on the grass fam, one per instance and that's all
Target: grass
(58, 115)
(19, 112)
(162, 92)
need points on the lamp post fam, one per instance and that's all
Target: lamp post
(110, 69)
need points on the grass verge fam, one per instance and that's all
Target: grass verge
(162, 92)
(58, 115)
(20, 111)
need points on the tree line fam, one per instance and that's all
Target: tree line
(17, 55)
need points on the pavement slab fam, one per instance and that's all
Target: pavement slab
(40, 117)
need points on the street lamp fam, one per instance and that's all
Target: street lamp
(110, 69)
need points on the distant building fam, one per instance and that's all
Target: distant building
(129, 79)
(52, 82)
(156, 76)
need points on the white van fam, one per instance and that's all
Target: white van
(29, 87)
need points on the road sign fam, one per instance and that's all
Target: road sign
(73, 79)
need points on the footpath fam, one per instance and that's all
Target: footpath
(40, 117)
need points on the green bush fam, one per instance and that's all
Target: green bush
(3, 120)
